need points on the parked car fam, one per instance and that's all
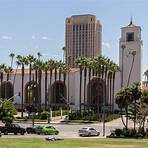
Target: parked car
(88, 131)
(49, 130)
(12, 128)
(38, 130)
(32, 129)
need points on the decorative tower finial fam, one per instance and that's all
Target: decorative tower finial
(131, 22)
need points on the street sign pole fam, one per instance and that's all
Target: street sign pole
(103, 120)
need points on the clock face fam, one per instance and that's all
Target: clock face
(129, 52)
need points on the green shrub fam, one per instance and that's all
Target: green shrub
(142, 132)
(44, 115)
(118, 132)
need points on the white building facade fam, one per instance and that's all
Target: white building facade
(130, 62)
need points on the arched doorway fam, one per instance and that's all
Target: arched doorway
(31, 93)
(95, 94)
(58, 94)
(6, 90)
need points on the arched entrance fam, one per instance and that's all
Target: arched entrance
(95, 94)
(58, 94)
(31, 93)
(6, 90)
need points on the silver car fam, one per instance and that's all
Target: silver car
(88, 131)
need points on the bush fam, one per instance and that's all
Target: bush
(118, 132)
(142, 132)
(44, 115)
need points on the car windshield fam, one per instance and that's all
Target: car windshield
(84, 128)
(49, 127)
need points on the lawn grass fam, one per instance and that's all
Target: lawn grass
(73, 143)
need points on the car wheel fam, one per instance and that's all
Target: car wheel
(15, 133)
(89, 134)
(5, 132)
(22, 133)
(98, 133)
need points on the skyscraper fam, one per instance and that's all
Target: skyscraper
(82, 37)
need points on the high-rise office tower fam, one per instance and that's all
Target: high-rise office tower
(82, 37)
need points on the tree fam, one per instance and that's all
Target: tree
(38, 65)
(123, 100)
(133, 53)
(11, 55)
(7, 111)
(39, 55)
(46, 68)
(21, 60)
(8, 70)
(29, 60)
(51, 64)
(80, 64)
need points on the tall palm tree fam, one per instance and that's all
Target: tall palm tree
(8, 70)
(39, 55)
(114, 68)
(51, 64)
(90, 67)
(65, 70)
(46, 68)
(80, 62)
(30, 59)
(56, 66)
(11, 55)
(38, 65)
(133, 53)
(18, 59)
(22, 61)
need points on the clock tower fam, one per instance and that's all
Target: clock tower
(130, 54)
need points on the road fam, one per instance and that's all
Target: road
(71, 130)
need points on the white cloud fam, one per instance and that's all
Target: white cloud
(105, 44)
(45, 54)
(33, 37)
(44, 38)
(5, 37)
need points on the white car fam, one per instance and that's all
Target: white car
(88, 131)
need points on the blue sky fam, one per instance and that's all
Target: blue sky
(29, 26)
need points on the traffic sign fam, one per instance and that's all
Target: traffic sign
(105, 107)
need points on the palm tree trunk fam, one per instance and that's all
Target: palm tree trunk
(89, 88)
(110, 89)
(46, 89)
(85, 74)
(22, 103)
(55, 88)
(15, 75)
(39, 82)
(131, 70)
(80, 89)
(113, 92)
(49, 99)
(29, 81)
